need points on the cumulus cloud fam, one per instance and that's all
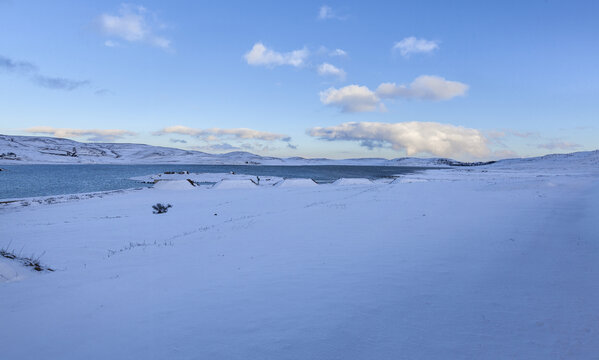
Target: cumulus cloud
(414, 137)
(424, 87)
(92, 134)
(412, 45)
(133, 24)
(326, 69)
(31, 72)
(260, 55)
(351, 98)
(216, 133)
(355, 98)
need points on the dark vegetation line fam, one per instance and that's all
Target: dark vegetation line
(31, 261)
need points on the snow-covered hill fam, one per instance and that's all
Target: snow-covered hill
(48, 150)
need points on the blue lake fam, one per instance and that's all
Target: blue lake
(20, 181)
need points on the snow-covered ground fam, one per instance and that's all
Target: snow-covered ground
(492, 262)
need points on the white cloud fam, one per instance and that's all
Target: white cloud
(414, 137)
(218, 147)
(325, 12)
(351, 98)
(338, 52)
(217, 133)
(326, 69)
(95, 134)
(355, 98)
(261, 55)
(412, 45)
(110, 43)
(133, 24)
(424, 87)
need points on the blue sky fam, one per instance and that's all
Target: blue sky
(464, 79)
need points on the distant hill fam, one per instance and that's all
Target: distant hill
(49, 150)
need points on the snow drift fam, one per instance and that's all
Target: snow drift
(296, 183)
(173, 185)
(352, 181)
(235, 184)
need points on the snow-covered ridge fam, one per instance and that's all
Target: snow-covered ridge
(49, 150)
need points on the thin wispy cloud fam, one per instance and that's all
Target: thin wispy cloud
(30, 71)
(559, 145)
(505, 133)
(219, 147)
(260, 55)
(10, 65)
(338, 52)
(103, 92)
(412, 45)
(326, 69)
(91, 134)
(356, 98)
(324, 51)
(59, 83)
(133, 24)
(326, 12)
(425, 87)
(110, 43)
(218, 133)
(414, 138)
(178, 141)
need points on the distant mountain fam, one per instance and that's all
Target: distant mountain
(49, 150)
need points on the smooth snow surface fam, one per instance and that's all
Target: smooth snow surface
(471, 264)
(11, 270)
(296, 183)
(352, 181)
(173, 185)
(235, 184)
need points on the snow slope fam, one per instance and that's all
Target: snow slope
(469, 264)
(227, 184)
(30, 149)
(352, 181)
(291, 183)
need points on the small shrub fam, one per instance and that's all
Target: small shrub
(32, 261)
(161, 209)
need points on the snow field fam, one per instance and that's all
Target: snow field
(466, 265)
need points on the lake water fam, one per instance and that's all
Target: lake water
(20, 181)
